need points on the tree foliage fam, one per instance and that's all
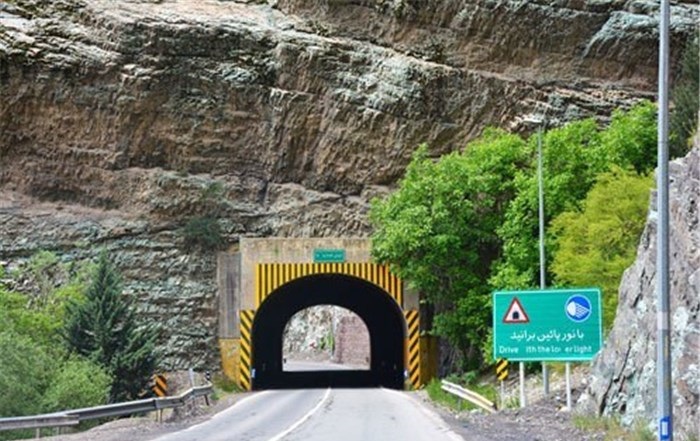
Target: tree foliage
(36, 375)
(458, 227)
(439, 229)
(597, 243)
(104, 329)
(77, 383)
(686, 100)
(203, 233)
(25, 372)
(573, 156)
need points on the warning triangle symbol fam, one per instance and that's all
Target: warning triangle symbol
(516, 313)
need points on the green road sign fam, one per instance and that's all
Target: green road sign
(329, 255)
(547, 325)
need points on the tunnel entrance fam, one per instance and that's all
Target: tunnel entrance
(325, 337)
(377, 309)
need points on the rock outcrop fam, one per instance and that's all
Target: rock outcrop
(120, 120)
(624, 373)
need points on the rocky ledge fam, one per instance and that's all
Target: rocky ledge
(120, 120)
(624, 374)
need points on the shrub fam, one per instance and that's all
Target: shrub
(597, 243)
(203, 233)
(77, 383)
(25, 370)
(686, 100)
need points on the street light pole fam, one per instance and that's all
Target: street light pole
(663, 341)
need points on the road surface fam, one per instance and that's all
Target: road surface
(297, 366)
(321, 415)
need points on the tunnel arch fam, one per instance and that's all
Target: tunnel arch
(380, 312)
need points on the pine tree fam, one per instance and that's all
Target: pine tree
(104, 329)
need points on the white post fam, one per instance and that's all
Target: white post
(503, 394)
(190, 373)
(523, 400)
(568, 386)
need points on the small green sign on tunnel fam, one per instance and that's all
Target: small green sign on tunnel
(547, 325)
(323, 255)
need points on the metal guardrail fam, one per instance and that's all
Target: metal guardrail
(75, 416)
(468, 395)
(38, 421)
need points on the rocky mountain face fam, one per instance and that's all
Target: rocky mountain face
(624, 373)
(120, 120)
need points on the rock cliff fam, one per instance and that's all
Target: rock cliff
(122, 119)
(624, 373)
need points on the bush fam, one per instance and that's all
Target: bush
(78, 383)
(686, 101)
(597, 243)
(203, 233)
(25, 370)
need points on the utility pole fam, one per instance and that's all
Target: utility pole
(663, 341)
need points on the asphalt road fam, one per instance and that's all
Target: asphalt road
(321, 415)
(297, 366)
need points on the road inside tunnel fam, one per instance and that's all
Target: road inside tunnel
(380, 313)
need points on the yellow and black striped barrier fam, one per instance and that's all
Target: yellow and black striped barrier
(245, 379)
(270, 276)
(413, 347)
(501, 369)
(160, 385)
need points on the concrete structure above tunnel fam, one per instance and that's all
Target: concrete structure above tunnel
(265, 269)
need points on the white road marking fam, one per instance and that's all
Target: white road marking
(220, 414)
(429, 413)
(303, 419)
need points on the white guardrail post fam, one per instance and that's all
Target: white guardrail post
(466, 394)
(75, 416)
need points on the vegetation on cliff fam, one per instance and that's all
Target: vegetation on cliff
(37, 374)
(104, 329)
(686, 100)
(466, 224)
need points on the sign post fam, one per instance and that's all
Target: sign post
(502, 375)
(547, 325)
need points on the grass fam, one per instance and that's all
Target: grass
(438, 395)
(224, 384)
(613, 429)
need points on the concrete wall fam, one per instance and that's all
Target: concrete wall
(291, 250)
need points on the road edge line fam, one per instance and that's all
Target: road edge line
(216, 415)
(303, 419)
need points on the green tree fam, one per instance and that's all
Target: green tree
(104, 329)
(571, 160)
(36, 324)
(438, 230)
(574, 155)
(77, 383)
(597, 243)
(25, 372)
(686, 100)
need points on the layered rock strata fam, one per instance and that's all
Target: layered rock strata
(120, 120)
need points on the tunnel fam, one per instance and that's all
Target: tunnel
(381, 314)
